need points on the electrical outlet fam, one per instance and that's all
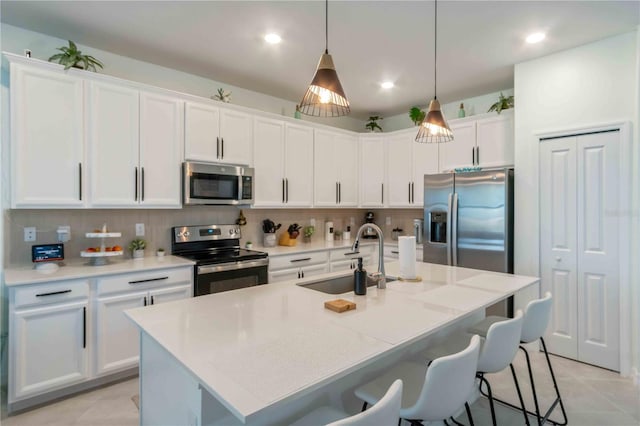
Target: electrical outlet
(139, 229)
(30, 233)
(312, 222)
(388, 221)
(352, 221)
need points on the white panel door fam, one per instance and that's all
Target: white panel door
(47, 138)
(425, 162)
(269, 162)
(598, 270)
(50, 348)
(117, 338)
(558, 259)
(236, 137)
(325, 169)
(201, 132)
(346, 156)
(372, 171)
(494, 138)
(113, 135)
(298, 166)
(161, 147)
(399, 173)
(170, 294)
(460, 151)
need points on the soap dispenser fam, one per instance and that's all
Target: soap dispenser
(360, 279)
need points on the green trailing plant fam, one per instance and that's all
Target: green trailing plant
(373, 123)
(503, 103)
(72, 57)
(416, 115)
(137, 244)
(308, 231)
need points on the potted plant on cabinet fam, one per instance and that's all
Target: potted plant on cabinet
(416, 115)
(503, 103)
(372, 125)
(137, 247)
(72, 57)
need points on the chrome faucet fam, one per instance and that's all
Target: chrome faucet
(379, 277)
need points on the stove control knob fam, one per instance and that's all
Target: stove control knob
(185, 234)
(232, 231)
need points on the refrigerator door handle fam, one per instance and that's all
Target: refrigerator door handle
(454, 231)
(450, 210)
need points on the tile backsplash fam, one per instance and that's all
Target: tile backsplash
(159, 222)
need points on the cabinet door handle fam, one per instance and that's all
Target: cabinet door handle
(395, 252)
(142, 176)
(144, 301)
(298, 274)
(302, 272)
(217, 147)
(53, 293)
(413, 192)
(382, 194)
(136, 185)
(300, 260)
(84, 327)
(339, 192)
(152, 300)
(409, 192)
(148, 280)
(336, 192)
(477, 155)
(80, 181)
(283, 190)
(473, 155)
(221, 148)
(287, 180)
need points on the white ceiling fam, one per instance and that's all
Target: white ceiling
(371, 41)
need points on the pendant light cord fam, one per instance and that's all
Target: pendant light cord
(435, 51)
(326, 26)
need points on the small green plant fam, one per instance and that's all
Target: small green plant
(503, 103)
(137, 244)
(308, 231)
(416, 115)
(222, 96)
(373, 123)
(72, 57)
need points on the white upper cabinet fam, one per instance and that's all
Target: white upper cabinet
(425, 162)
(399, 173)
(217, 134)
(135, 147)
(283, 164)
(460, 152)
(335, 169)
(486, 141)
(495, 140)
(47, 138)
(372, 172)
(113, 132)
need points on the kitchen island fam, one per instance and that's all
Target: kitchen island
(265, 354)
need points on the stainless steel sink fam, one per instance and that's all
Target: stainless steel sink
(337, 285)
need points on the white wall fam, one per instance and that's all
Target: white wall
(588, 85)
(42, 46)
(472, 106)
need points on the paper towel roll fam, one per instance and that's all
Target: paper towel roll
(407, 254)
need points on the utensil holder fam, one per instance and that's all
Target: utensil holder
(269, 240)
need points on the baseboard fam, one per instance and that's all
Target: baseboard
(635, 374)
(33, 402)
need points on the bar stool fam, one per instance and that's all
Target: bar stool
(385, 412)
(431, 393)
(536, 318)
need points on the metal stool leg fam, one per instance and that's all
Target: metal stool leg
(489, 396)
(469, 416)
(364, 406)
(555, 385)
(524, 410)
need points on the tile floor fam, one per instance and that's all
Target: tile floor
(592, 396)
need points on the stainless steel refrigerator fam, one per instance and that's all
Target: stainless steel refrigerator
(468, 222)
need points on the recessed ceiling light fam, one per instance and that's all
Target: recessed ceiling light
(387, 84)
(535, 38)
(272, 38)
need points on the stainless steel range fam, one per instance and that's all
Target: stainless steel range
(221, 264)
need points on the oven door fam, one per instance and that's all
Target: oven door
(231, 276)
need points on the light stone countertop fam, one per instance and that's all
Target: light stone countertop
(78, 268)
(276, 341)
(302, 247)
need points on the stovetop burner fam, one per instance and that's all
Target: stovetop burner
(211, 244)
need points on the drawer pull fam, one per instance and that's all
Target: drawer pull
(53, 293)
(395, 252)
(351, 253)
(84, 327)
(149, 280)
(300, 260)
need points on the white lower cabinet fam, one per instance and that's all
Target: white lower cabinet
(66, 332)
(48, 338)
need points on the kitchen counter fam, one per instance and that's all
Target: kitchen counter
(79, 268)
(302, 247)
(256, 351)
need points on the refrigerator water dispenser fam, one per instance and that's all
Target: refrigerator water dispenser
(438, 227)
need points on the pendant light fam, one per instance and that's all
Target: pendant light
(325, 96)
(434, 128)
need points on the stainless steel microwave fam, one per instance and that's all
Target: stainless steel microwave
(207, 183)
